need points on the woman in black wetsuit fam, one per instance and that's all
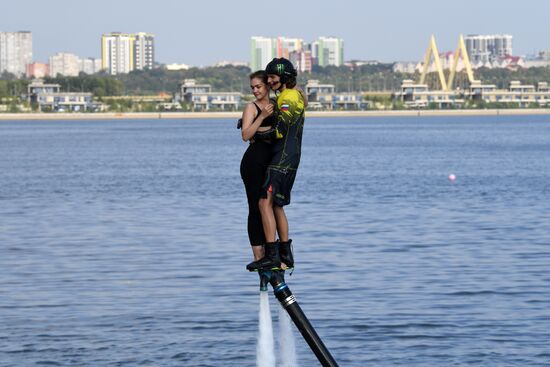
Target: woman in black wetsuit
(257, 118)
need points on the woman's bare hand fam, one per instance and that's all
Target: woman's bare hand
(267, 110)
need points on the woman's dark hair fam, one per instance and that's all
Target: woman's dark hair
(260, 74)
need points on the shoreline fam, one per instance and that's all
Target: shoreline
(236, 115)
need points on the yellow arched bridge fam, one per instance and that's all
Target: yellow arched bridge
(446, 85)
(476, 94)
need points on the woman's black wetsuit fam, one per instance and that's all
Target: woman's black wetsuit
(253, 166)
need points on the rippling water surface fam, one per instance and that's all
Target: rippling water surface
(124, 243)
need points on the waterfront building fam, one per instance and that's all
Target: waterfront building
(485, 49)
(328, 51)
(49, 96)
(38, 86)
(64, 64)
(348, 101)
(190, 86)
(202, 98)
(220, 101)
(418, 95)
(324, 96)
(121, 52)
(319, 96)
(65, 101)
(37, 70)
(415, 95)
(15, 52)
(521, 94)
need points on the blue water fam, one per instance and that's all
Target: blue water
(123, 243)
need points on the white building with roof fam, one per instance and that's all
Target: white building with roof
(202, 98)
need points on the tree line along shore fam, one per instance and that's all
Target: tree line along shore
(121, 93)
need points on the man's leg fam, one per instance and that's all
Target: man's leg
(268, 217)
(282, 222)
(285, 246)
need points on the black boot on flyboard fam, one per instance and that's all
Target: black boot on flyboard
(285, 252)
(270, 261)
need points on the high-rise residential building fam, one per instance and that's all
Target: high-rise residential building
(64, 64)
(37, 70)
(144, 51)
(328, 51)
(324, 52)
(90, 65)
(117, 53)
(262, 51)
(302, 60)
(15, 52)
(285, 46)
(122, 52)
(485, 49)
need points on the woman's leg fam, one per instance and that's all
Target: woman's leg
(255, 229)
(253, 166)
(258, 252)
(271, 260)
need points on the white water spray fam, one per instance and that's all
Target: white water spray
(286, 340)
(265, 350)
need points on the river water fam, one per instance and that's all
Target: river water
(123, 243)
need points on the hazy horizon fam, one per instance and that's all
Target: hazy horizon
(203, 33)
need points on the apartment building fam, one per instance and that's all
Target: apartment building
(15, 52)
(123, 52)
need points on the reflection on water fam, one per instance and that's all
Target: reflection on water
(124, 242)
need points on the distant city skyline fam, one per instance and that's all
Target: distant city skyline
(201, 33)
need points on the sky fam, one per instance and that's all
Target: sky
(204, 32)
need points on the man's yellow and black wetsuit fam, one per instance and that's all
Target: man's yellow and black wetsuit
(287, 150)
